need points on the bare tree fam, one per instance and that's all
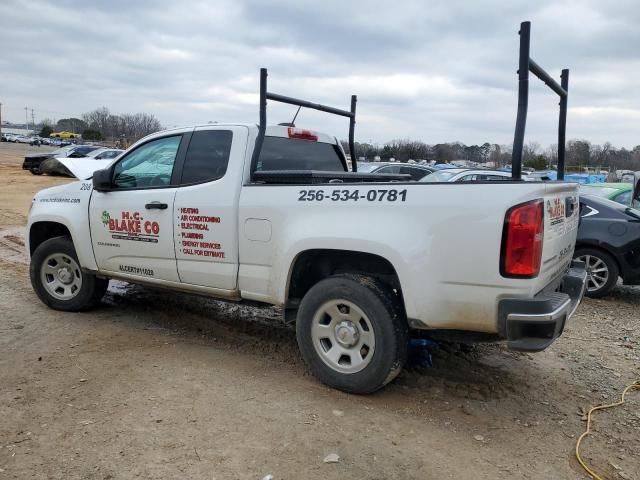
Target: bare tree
(129, 126)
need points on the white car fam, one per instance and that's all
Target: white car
(81, 167)
(269, 214)
(466, 175)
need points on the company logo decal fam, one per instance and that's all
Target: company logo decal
(131, 226)
(555, 209)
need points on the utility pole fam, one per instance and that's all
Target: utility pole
(26, 117)
(33, 121)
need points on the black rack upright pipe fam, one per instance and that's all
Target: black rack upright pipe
(262, 127)
(352, 127)
(562, 123)
(523, 101)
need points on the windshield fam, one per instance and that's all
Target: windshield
(95, 153)
(439, 176)
(63, 150)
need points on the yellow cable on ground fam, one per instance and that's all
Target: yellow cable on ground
(633, 386)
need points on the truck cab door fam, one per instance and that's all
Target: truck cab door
(206, 208)
(132, 224)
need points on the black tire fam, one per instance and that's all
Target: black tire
(91, 288)
(384, 314)
(611, 265)
(35, 171)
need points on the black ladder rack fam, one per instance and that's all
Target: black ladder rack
(266, 95)
(527, 65)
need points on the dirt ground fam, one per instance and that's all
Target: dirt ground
(160, 385)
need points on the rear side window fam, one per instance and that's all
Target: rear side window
(389, 169)
(416, 173)
(624, 198)
(279, 153)
(207, 156)
(498, 178)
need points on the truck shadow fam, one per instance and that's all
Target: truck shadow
(478, 373)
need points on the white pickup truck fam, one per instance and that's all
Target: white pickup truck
(271, 215)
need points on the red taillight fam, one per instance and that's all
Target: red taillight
(522, 240)
(302, 134)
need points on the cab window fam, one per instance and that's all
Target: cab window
(149, 165)
(279, 153)
(207, 156)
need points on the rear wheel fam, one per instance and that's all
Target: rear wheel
(58, 279)
(352, 333)
(35, 171)
(602, 271)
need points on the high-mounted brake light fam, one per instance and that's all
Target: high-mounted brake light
(302, 134)
(522, 240)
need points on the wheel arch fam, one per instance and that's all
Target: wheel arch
(313, 265)
(42, 231)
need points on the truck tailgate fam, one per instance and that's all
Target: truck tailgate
(561, 218)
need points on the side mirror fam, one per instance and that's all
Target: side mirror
(102, 180)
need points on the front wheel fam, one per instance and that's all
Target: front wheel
(35, 171)
(602, 271)
(59, 281)
(352, 333)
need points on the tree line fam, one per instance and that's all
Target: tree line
(101, 124)
(578, 154)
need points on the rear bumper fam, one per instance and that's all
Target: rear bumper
(532, 324)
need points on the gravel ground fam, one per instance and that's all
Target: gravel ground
(161, 385)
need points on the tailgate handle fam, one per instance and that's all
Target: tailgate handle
(570, 206)
(156, 206)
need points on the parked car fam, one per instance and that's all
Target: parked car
(466, 175)
(416, 171)
(618, 192)
(32, 161)
(608, 243)
(82, 167)
(368, 167)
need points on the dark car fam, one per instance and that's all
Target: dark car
(416, 170)
(32, 161)
(608, 243)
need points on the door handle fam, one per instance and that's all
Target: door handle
(156, 206)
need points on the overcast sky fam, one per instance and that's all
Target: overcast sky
(437, 71)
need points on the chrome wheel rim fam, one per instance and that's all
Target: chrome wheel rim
(597, 272)
(61, 276)
(343, 336)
